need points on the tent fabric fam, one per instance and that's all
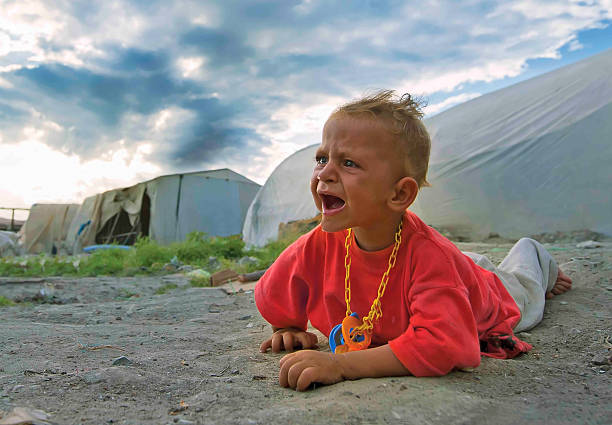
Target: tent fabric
(47, 227)
(8, 243)
(214, 202)
(531, 158)
(284, 197)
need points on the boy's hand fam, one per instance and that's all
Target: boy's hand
(287, 339)
(299, 370)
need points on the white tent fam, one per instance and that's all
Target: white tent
(531, 158)
(46, 228)
(166, 209)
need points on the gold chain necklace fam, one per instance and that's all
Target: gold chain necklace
(376, 309)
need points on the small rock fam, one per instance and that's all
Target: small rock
(248, 261)
(175, 261)
(563, 302)
(213, 263)
(93, 377)
(184, 422)
(169, 267)
(199, 274)
(589, 244)
(122, 361)
(602, 359)
(249, 325)
(523, 334)
(403, 387)
(247, 317)
(185, 269)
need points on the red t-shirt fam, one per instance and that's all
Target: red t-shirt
(439, 308)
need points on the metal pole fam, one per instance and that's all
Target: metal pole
(12, 219)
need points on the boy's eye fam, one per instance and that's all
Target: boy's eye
(349, 163)
(321, 160)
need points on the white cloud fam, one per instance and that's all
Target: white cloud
(575, 45)
(191, 67)
(449, 102)
(33, 172)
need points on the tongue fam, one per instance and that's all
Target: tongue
(334, 202)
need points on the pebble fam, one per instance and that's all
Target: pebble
(122, 361)
(185, 269)
(213, 263)
(93, 377)
(563, 302)
(602, 359)
(248, 260)
(17, 387)
(589, 244)
(247, 317)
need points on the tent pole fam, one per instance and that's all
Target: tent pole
(110, 235)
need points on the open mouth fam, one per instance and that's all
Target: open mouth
(331, 204)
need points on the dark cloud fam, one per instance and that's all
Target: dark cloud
(221, 47)
(135, 60)
(105, 95)
(94, 105)
(284, 65)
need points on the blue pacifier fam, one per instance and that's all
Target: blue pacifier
(336, 339)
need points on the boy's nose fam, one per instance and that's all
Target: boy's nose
(327, 173)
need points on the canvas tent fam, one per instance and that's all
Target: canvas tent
(46, 228)
(166, 209)
(531, 158)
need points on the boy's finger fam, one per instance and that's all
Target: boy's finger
(294, 373)
(277, 341)
(307, 377)
(313, 338)
(304, 340)
(265, 345)
(285, 364)
(288, 341)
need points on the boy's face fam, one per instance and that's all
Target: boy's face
(358, 164)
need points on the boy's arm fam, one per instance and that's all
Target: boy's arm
(299, 370)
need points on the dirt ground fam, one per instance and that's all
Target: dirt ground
(192, 358)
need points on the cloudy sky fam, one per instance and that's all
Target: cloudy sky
(103, 94)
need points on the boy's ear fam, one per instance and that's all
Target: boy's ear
(404, 194)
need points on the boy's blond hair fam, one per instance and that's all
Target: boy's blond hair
(402, 116)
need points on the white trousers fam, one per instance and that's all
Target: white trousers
(527, 272)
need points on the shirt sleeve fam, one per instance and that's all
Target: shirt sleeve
(281, 295)
(442, 334)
